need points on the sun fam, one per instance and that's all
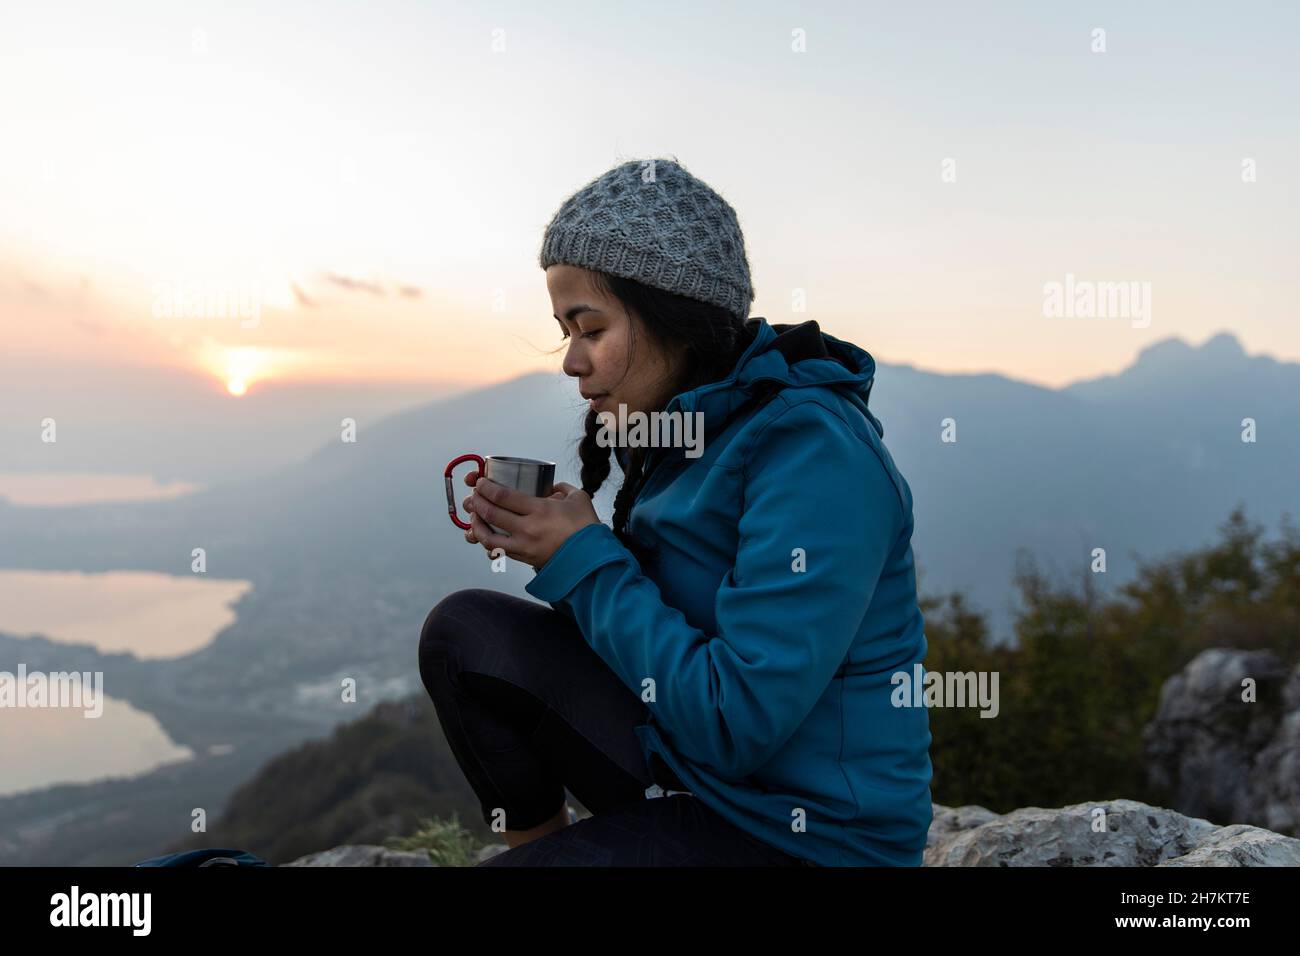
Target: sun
(239, 369)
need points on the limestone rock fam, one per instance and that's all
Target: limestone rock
(1134, 834)
(363, 855)
(1223, 758)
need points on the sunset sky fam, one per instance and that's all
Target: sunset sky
(375, 178)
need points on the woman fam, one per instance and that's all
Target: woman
(712, 677)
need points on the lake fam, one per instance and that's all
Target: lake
(47, 745)
(149, 614)
(50, 489)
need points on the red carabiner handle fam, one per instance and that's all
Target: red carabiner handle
(451, 495)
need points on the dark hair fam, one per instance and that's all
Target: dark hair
(712, 338)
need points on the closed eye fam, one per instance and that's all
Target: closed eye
(585, 335)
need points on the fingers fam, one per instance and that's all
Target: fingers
(509, 501)
(469, 533)
(470, 478)
(562, 489)
(480, 531)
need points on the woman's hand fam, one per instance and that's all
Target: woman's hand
(537, 526)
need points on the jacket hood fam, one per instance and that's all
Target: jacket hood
(796, 355)
(788, 356)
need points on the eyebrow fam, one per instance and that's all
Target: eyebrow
(576, 310)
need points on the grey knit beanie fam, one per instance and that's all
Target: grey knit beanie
(652, 221)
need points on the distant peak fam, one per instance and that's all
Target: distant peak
(1166, 350)
(1173, 351)
(1223, 344)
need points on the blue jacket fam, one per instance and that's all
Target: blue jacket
(778, 601)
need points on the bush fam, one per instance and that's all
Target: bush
(446, 841)
(1083, 676)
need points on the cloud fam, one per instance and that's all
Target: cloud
(354, 285)
(405, 290)
(301, 296)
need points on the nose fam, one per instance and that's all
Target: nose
(574, 365)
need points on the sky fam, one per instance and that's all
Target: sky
(359, 191)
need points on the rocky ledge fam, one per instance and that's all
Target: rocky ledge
(1106, 833)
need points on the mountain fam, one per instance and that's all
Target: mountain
(350, 547)
(373, 778)
(348, 551)
(177, 425)
(1141, 463)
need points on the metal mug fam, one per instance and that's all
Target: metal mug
(529, 475)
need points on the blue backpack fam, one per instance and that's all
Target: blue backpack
(219, 856)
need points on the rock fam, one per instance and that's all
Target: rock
(1223, 758)
(1135, 834)
(1242, 845)
(363, 855)
(1274, 793)
(491, 850)
(950, 820)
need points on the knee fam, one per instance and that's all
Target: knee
(454, 616)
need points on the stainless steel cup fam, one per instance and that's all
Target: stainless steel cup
(529, 475)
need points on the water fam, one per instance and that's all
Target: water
(151, 615)
(47, 489)
(46, 745)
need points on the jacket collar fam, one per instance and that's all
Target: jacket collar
(790, 356)
(795, 355)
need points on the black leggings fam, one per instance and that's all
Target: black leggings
(530, 710)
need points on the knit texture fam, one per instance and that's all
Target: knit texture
(652, 221)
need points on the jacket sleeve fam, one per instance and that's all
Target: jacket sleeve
(730, 700)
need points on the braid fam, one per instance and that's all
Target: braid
(627, 493)
(595, 459)
(595, 469)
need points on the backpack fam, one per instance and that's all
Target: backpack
(207, 857)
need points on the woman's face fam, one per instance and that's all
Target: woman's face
(600, 334)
